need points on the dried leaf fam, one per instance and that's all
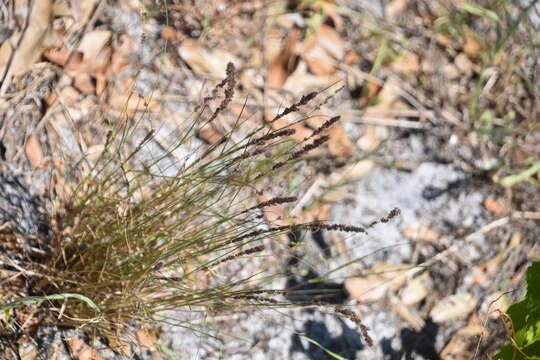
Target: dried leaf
(301, 132)
(82, 10)
(372, 89)
(70, 96)
(464, 65)
(487, 271)
(169, 33)
(285, 63)
(28, 351)
(415, 291)
(320, 212)
(339, 144)
(322, 50)
(494, 206)
(84, 83)
(34, 152)
(118, 345)
(459, 348)
(390, 97)
(453, 307)
(356, 171)
(206, 62)
(408, 63)
(380, 279)
(301, 82)
(34, 39)
(409, 315)
(421, 233)
(370, 140)
(276, 215)
(210, 135)
(60, 57)
(120, 55)
(79, 350)
(352, 57)
(472, 47)
(147, 338)
(92, 43)
(272, 45)
(395, 7)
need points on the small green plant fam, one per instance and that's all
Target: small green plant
(523, 319)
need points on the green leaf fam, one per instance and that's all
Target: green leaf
(525, 317)
(514, 179)
(533, 280)
(479, 11)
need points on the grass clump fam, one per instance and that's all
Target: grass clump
(135, 241)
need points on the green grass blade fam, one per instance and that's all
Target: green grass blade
(30, 300)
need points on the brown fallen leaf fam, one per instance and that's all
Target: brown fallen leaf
(28, 351)
(206, 62)
(92, 43)
(70, 96)
(272, 46)
(169, 33)
(301, 131)
(421, 233)
(320, 212)
(379, 279)
(487, 271)
(60, 57)
(121, 97)
(416, 290)
(464, 341)
(83, 82)
(28, 49)
(339, 144)
(453, 307)
(395, 7)
(210, 135)
(147, 338)
(285, 63)
(389, 97)
(275, 215)
(351, 58)
(408, 314)
(494, 206)
(323, 50)
(82, 10)
(98, 63)
(79, 350)
(472, 47)
(34, 152)
(119, 345)
(408, 63)
(301, 82)
(372, 89)
(464, 65)
(120, 56)
(369, 140)
(356, 171)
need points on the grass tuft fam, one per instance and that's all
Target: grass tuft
(134, 241)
